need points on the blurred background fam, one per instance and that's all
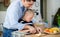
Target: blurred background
(45, 9)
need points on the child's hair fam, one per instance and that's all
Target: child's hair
(30, 11)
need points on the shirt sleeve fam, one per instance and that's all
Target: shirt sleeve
(12, 13)
(33, 20)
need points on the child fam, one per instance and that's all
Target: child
(27, 19)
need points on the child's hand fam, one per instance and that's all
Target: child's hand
(32, 29)
(25, 31)
(38, 29)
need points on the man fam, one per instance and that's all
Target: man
(14, 12)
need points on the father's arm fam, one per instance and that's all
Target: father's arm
(13, 16)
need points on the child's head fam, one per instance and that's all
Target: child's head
(28, 15)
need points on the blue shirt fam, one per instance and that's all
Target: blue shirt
(14, 12)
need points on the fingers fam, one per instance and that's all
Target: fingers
(39, 29)
(24, 30)
(33, 31)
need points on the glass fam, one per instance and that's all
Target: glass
(18, 34)
(41, 25)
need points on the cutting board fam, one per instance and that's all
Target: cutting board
(57, 35)
(31, 35)
(42, 35)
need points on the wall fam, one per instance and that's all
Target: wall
(2, 16)
(52, 7)
(1, 0)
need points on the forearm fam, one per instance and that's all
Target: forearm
(26, 26)
(34, 26)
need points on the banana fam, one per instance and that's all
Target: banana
(55, 29)
(52, 30)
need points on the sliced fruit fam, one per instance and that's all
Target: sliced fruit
(47, 31)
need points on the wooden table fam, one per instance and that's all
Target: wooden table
(42, 35)
(47, 35)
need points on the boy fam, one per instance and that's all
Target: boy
(27, 19)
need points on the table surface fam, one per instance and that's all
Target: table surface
(42, 35)
(46, 35)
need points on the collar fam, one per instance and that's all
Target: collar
(21, 4)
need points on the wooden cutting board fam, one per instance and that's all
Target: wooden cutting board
(30, 35)
(56, 35)
(42, 35)
(34, 35)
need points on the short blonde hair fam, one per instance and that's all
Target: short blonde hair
(29, 11)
